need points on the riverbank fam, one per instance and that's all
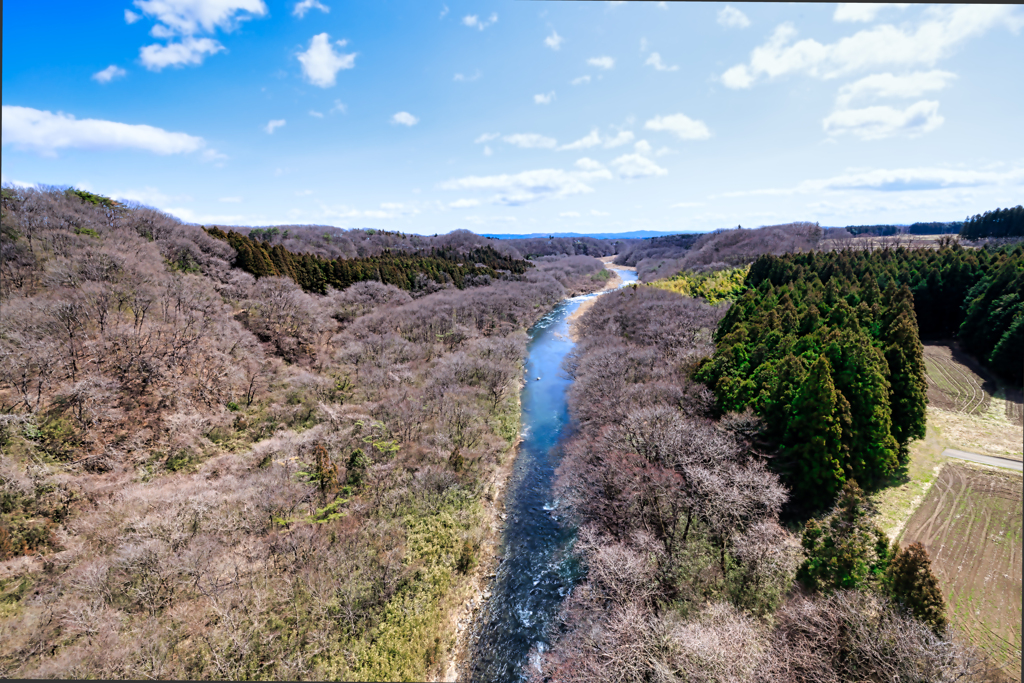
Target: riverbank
(614, 282)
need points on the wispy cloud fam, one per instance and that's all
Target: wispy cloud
(655, 60)
(530, 186)
(531, 141)
(554, 41)
(110, 73)
(544, 98)
(474, 21)
(304, 6)
(681, 126)
(486, 137)
(602, 62)
(888, 85)
(875, 123)
(731, 17)
(634, 166)
(274, 125)
(581, 80)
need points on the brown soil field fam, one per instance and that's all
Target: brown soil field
(976, 412)
(970, 523)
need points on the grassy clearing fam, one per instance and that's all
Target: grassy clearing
(971, 523)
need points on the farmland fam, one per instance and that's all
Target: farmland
(970, 523)
(974, 411)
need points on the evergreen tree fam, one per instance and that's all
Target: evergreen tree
(813, 437)
(913, 585)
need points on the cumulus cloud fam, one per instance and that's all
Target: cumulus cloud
(530, 141)
(863, 11)
(581, 80)
(730, 17)
(304, 6)
(875, 123)
(273, 125)
(473, 21)
(46, 132)
(642, 147)
(110, 73)
(544, 98)
(404, 118)
(185, 19)
(529, 186)
(887, 85)
(190, 51)
(602, 62)
(655, 60)
(321, 63)
(554, 41)
(588, 164)
(637, 166)
(934, 38)
(624, 137)
(681, 126)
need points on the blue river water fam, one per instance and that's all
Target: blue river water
(538, 569)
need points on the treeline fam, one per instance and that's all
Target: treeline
(690, 575)
(998, 223)
(928, 228)
(208, 475)
(316, 274)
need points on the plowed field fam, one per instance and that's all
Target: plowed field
(970, 523)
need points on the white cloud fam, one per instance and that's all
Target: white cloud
(188, 17)
(642, 147)
(444, 11)
(339, 107)
(110, 73)
(321, 64)
(189, 51)
(528, 186)
(624, 137)
(581, 80)
(530, 141)
(544, 99)
(681, 125)
(473, 21)
(305, 5)
(862, 11)
(468, 79)
(602, 62)
(655, 61)
(588, 164)
(316, 114)
(887, 85)
(731, 17)
(897, 180)
(273, 125)
(570, 214)
(945, 28)
(405, 118)
(464, 203)
(486, 137)
(554, 41)
(131, 17)
(46, 132)
(592, 139)
(875, 123)
(637, 166)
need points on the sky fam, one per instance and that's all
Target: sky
(519, 117)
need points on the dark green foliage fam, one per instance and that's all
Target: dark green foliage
(94, 199)
(814, 436)
(844, 550)
(914, 586)
(315, 274)
(931, 228)
(994, 316)
(998, 223)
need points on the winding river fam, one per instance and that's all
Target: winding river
(538, 569)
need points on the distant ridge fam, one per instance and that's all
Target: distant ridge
(633, 234)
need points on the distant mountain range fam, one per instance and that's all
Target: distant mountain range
(634, 234)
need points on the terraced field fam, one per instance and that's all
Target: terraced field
(970, 523)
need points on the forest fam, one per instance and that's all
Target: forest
(998, 223)
(206, 474)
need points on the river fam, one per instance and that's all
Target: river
(538, 568)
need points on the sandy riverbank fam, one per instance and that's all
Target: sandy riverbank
(613, 283)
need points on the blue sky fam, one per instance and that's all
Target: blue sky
(519, 117)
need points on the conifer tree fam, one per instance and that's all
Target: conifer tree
(813, 437)
(913, 585)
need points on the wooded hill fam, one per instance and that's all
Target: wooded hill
(998, 223)
(406, 271)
